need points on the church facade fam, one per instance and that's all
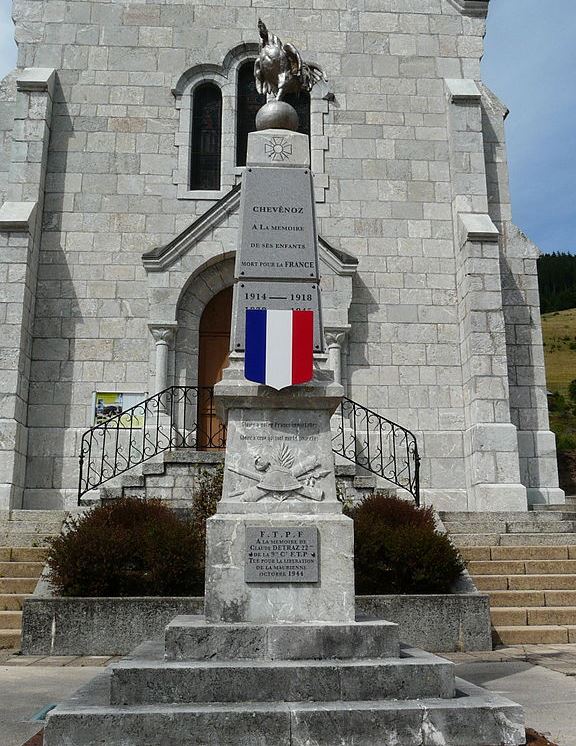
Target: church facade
(123, 137)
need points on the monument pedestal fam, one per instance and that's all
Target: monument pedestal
(279, 549)
(229, 598)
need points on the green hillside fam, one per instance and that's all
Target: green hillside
(559, 330)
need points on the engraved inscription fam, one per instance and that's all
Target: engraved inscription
(281, 296)
(281, 555)
(277, 235)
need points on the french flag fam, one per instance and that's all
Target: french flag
(279, 347)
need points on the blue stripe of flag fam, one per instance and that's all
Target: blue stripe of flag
(255, 355)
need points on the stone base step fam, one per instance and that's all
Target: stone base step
(146, 678)
(525, 582)
(473, 718)
(191, 638)
(10, 620)
(9, 638)
(533, 616)
(533, 635)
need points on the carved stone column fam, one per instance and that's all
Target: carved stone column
(335, 339)
(163, 335)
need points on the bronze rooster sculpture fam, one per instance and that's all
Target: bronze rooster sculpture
(279, 70)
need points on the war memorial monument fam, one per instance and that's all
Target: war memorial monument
(279, 657)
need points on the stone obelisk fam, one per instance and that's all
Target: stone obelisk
(278, 549)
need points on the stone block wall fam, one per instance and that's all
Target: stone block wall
(400, 152)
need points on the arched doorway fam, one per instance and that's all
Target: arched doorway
(213, 351)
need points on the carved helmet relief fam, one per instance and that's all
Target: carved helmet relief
(280, 477)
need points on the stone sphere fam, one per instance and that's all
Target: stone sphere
(277, 115)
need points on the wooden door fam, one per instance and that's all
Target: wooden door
(212, 359)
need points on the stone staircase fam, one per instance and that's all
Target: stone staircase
(282, 685)
(527, 564)
(23, 535)
(174, 476)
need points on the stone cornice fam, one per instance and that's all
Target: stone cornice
(477, 227)
(36, 80)
(17, 216)
(478, 8)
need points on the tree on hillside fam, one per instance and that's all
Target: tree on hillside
(557, 281)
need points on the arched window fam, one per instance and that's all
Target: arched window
(206, 137)
(248, 101)
(301, 102)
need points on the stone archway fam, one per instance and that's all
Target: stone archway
(202, 288)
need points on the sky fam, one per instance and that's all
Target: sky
(530, 63)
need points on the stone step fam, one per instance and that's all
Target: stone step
(520, 567)
(491, 582)
(564, 615)
(484, 554)
(474, 718)
(18, 585)
(190, 456)
(11, 620)
(22, 539)
(533, 635)
(17, 528)
(190, 638)
(153, 468)
(9, 638)
(570, 505)
(532, 539)
(145, 677)
(533, 598)
(525, 582)
(39, 515)
(23, 554)
(21, 569)
(509, 616)
(12, 601)
(544, 527)
(533, 616)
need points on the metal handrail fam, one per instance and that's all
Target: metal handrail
(169, 419)
(172, 419)
(378, 445)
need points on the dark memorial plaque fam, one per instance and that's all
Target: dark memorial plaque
(277, 229)
(281, 554)
(281, 296)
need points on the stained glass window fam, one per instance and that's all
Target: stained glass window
(206, 137)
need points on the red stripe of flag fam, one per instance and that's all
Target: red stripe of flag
(302, 346)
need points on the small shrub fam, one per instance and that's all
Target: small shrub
(206, 497)
(129, 547)
(398, 550)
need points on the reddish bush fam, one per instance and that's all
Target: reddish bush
(398, 550)
(129, 547)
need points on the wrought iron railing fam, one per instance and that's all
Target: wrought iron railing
(378, 445)
(183, 417)
(178, 417)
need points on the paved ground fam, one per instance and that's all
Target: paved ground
(540, 677)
